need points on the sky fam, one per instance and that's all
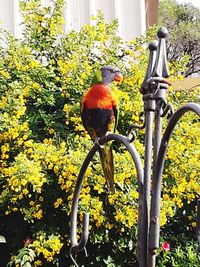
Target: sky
(193, 2)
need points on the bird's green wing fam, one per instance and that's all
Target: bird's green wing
(97, 77)
(116, 114)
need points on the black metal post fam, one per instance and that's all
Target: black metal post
(158, 87)
(147, 174)
(149, 108)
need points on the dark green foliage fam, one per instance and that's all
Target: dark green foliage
(183, 22)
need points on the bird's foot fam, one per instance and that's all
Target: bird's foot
(107, 133)
(97, 142)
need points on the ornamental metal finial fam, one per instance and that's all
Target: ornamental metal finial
(152, 57)
(160, 68)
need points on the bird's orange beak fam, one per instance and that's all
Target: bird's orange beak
(118, 77)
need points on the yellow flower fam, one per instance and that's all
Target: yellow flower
(120, 216)
(38, 215)
(51, 131)
(34, 64)
(194, 224)
(36, 86)
(37, 263)
(58, 202)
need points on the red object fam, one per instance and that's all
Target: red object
(99, 96)
(165, 246)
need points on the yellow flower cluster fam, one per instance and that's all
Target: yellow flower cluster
(52, 22)
(48, 246)
(66, 67)
(181, 177)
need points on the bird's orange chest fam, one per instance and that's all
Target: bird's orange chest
(99, 96)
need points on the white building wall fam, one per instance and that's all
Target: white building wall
(7, 15)
(130, 13)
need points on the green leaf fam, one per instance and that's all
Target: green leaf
(32, 254)
(27, 264)
(22, 252)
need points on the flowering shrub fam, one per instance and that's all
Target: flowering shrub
(178, 256)
(43, 143)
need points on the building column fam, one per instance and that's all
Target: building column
(151, 12)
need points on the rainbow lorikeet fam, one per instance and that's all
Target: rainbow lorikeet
(99, 115)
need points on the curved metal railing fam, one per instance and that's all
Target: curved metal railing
(76, 246)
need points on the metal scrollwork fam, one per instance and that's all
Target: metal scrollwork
(76, 246)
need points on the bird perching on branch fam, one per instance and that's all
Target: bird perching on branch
(99, 115)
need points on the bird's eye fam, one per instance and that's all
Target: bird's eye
(113, 71)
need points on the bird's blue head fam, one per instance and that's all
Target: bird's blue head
(107, 74)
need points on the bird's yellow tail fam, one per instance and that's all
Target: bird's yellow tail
(106, 156)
